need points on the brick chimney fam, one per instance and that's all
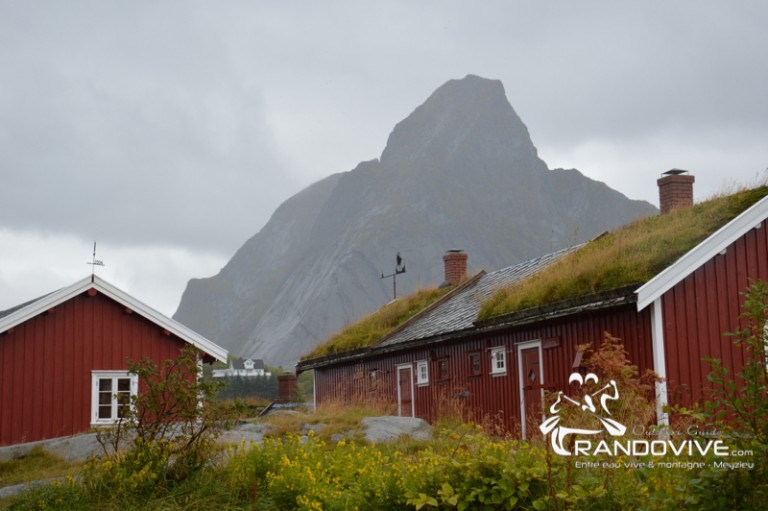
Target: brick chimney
(455, 267)
(675, 190)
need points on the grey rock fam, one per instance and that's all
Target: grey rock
(71, 448)
(315, 428)
(235, 437)
(460, 172)
(253, 427)
(18, 489)
(387, 428)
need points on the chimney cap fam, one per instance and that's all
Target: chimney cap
(674, 172)
(454, 251)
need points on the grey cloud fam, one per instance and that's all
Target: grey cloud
(189, 122)
(155, 144)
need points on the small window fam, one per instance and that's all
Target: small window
(442, 369)
(475, 369)
(422, 373)
(111, 396)
(498, 360)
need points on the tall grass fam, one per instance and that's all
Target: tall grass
(36, 465)
(326, 421)
(630, 255)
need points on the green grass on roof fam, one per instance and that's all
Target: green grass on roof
(629, 255)
(374, 326)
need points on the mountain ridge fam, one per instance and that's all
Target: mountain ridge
(460, 171)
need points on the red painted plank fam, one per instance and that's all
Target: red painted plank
(7, 344)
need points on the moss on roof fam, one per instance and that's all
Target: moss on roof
(629, 255)
(373, 327)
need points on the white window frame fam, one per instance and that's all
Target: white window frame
(96, 377)
(422, 372)
(495, 359)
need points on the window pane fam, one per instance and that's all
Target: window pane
(123, 384)
(123, 398)
(105, 411)
(105, 398)
(122, 410)
(105, 385)
(498, 361)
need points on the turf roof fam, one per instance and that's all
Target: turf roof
(633, 254)
(374, 326)
(630, 255)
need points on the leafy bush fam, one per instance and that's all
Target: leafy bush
(169, 431)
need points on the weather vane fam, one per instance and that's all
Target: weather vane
(399, 268)
(95, 262)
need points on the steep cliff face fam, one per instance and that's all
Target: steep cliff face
(459, 172)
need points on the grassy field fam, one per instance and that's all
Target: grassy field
(461, 468)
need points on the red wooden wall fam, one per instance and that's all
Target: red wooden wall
(699, 309)
(487, 398)
(46, 364)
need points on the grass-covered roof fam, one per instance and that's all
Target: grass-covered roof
(373, 327)
(632, 254)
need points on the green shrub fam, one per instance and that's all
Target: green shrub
(172, 423)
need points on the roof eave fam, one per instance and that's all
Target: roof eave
(610, 299)
(332, 359)
(594, 302)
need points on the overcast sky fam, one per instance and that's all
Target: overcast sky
(169, 131)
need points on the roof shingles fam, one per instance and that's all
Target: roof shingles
(460, 308)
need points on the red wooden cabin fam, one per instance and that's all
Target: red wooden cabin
(498, 368)
(64, 358)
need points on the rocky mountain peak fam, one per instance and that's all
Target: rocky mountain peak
(468, 112)
(459, 172)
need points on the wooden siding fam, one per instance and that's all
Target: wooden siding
(46, 364)
(702, 307)
(485, 398)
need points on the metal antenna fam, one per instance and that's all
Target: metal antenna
(95, 262)
(399, 268)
